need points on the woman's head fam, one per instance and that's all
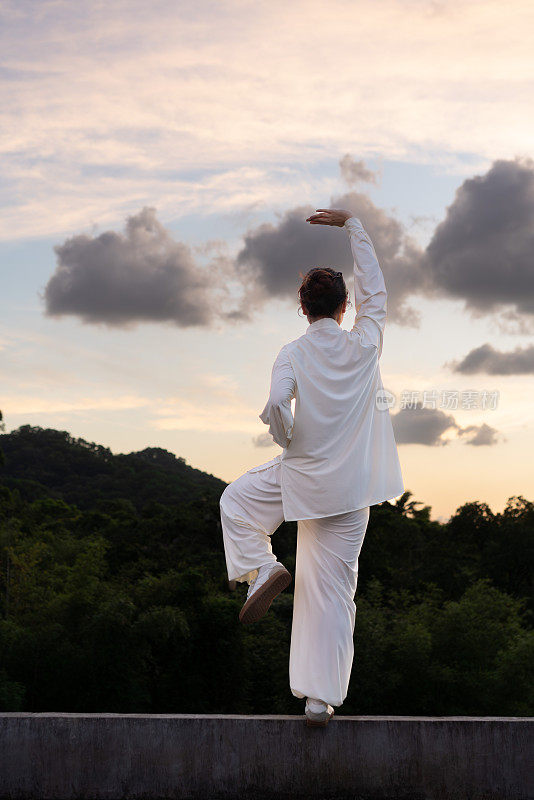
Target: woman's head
(323, 293)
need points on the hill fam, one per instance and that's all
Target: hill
(43, 462)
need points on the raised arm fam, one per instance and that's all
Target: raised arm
(369, 286)
(277, 412)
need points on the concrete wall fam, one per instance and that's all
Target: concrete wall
(112, 756)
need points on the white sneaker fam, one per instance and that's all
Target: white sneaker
(318, 712)
(271, 579)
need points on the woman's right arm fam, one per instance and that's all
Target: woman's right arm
(369, 286)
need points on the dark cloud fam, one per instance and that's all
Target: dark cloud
(354, 172)
(420, 425)
(480, 434)
(485, 359)
(483, 251)
(273, 255)
(141, 275)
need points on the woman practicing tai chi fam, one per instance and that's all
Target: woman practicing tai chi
(339, 457)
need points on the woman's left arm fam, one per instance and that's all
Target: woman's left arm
(277, 412)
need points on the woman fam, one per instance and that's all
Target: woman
(338, 458)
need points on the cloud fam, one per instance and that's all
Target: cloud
(177, 414)
(427, 426)
(485, 359)
(32, 404)
(213, 402)
(483, 251)
(481, 435)
(126, 100)
(354, 172)
(420, 425)
(141, 275)
(273, 255)
(263, 440)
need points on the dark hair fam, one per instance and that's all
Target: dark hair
(322, 291)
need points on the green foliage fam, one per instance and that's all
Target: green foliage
(439, 656)
(114, 596)
(43, 462)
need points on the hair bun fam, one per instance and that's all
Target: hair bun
(322, 291)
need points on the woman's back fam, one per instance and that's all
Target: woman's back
(339, 450)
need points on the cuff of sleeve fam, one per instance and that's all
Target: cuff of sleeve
(353, 222)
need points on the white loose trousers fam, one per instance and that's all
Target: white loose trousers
(326, 573)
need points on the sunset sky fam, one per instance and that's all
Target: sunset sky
(158, 164)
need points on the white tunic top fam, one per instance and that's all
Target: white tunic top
(339, 450)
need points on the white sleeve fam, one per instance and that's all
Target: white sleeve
(277, 412)
(369, 287)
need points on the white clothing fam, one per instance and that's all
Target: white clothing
(326, 573)
(339, 450)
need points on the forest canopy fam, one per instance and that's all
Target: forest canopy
(114, 596)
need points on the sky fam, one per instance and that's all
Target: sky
(158, 164)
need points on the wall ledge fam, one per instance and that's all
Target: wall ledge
(111, 756)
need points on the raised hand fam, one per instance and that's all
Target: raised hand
(330, 216)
